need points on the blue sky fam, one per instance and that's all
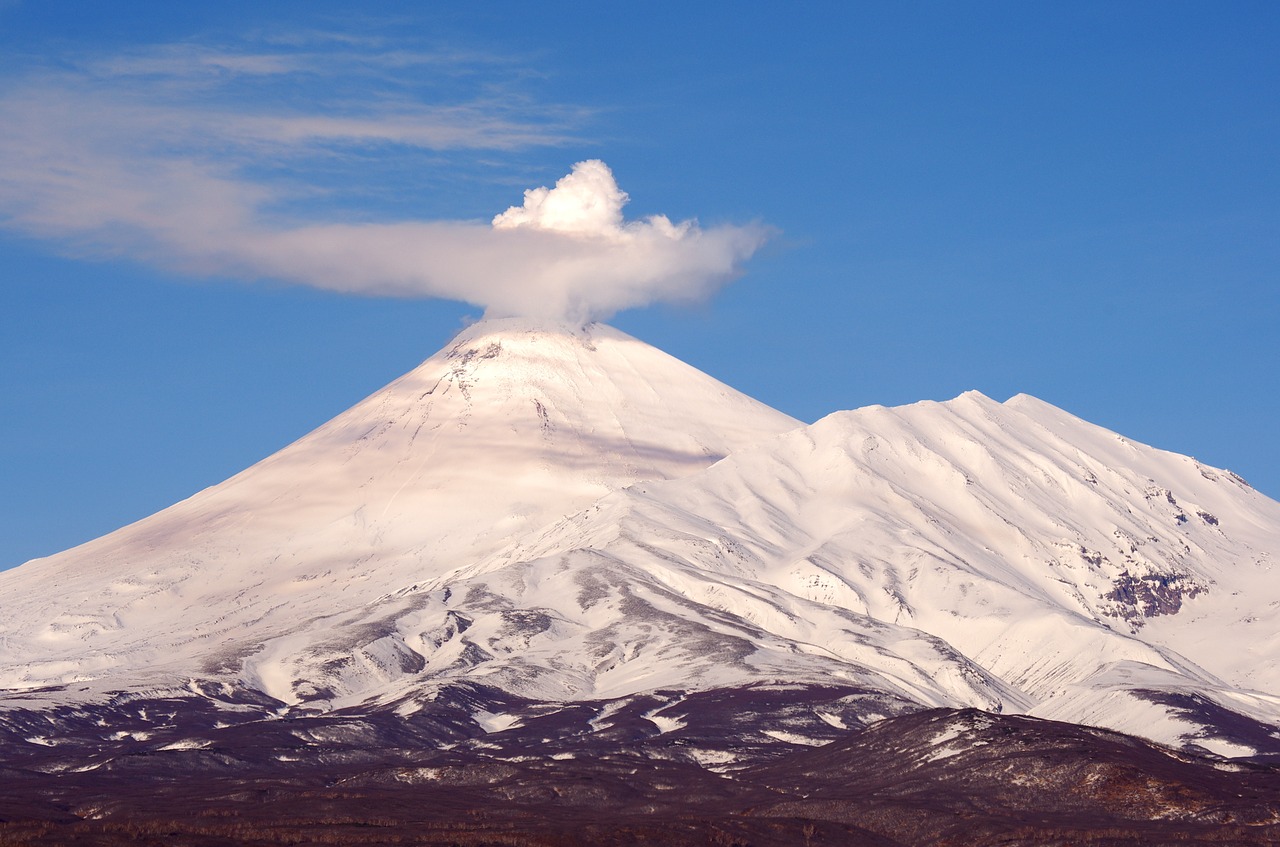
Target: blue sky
(1080, 202)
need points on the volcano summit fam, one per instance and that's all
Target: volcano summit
(554, 551)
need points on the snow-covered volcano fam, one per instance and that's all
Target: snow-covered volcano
(567, 515)
(514, 424)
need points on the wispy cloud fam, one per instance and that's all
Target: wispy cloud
(200, 158)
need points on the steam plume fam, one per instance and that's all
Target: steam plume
(565, 254)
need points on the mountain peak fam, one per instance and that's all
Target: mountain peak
(524, 326)
(516, 423)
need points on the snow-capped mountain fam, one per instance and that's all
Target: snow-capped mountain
(1008, 556)
(513, 425)
(567, 521)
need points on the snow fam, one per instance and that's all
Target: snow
(515, 424)
(664, 723)
(491, 722)
(794, 738)
(833, 720)
(569, 514)
(715, 760)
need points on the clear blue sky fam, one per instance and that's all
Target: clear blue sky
(1080, 201)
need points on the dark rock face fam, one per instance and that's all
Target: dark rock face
(663, 769)
(1152, 594)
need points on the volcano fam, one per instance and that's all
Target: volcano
(511, 426)
(556, 547)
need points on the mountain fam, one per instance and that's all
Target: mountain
(1016, 557)
(513, 425)
(559, 545)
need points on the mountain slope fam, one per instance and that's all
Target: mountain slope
(1083, 572)
(514, 424)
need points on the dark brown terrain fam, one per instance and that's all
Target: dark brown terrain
(938, 777)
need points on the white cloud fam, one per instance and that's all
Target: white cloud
(168, 157)
(586, 202)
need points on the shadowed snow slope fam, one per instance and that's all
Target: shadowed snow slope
(570, 515)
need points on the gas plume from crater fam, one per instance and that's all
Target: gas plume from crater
(607, 263)
(566, 253)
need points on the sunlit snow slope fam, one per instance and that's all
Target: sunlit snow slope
(571, 515)
(1100, 581)
(513, 425)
